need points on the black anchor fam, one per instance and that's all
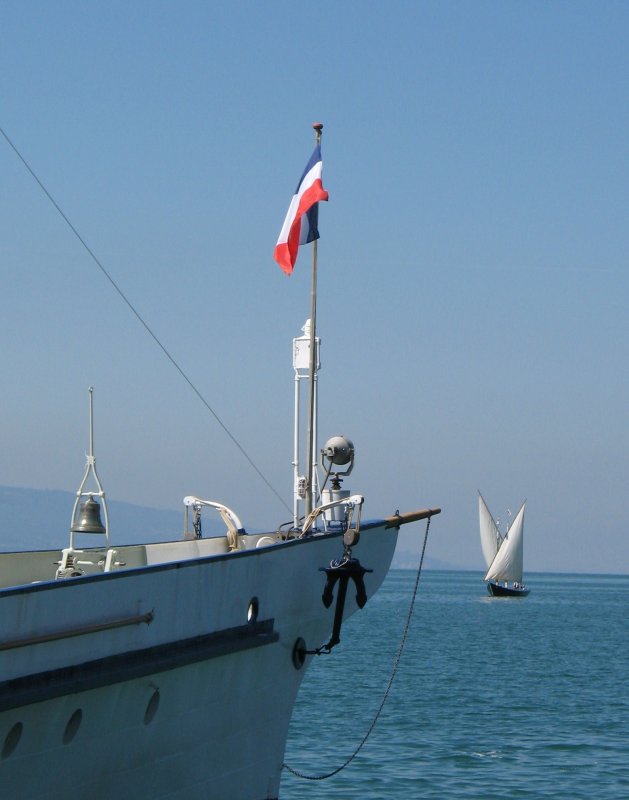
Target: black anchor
(342, 571)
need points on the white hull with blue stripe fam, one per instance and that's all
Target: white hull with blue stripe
(174, 674)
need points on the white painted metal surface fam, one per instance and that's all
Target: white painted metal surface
(211, 728)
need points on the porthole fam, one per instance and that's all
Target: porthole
(299, 653)
(72, 728)
(252, 611)
(12, 740)
(151, 708)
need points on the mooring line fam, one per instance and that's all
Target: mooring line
(385, 697)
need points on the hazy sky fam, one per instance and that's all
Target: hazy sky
(473, 277)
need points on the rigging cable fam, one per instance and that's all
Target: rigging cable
(387, 691)
(143, 322)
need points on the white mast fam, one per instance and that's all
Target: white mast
(311, 446)
(301, 365)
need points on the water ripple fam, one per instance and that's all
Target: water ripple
(493, 699)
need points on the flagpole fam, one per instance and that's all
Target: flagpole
(309, 499)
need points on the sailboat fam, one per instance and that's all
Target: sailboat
(503, 553)
(171, 669)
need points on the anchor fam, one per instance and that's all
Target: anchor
(341, 571)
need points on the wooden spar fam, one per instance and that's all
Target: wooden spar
(410, 516)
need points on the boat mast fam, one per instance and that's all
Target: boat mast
(311, 444)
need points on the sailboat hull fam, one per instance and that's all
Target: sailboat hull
(498, 590)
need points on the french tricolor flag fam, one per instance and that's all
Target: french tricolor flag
(300, 225)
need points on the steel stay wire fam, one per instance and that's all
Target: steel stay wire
(143, 322)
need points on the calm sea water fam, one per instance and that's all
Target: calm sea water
(494, 697)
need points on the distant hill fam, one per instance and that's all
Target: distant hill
(405, 559)
(39, 519)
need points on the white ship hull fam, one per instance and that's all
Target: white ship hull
(171, 670)
(149, 681)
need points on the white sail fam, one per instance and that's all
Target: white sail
(507, 565)
(490, 537)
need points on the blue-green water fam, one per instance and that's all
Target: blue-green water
(494, 697)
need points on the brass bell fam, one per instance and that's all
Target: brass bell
(89, 518)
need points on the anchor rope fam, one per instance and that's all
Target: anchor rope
(387, 690)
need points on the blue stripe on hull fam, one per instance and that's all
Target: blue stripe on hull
(134, 664)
